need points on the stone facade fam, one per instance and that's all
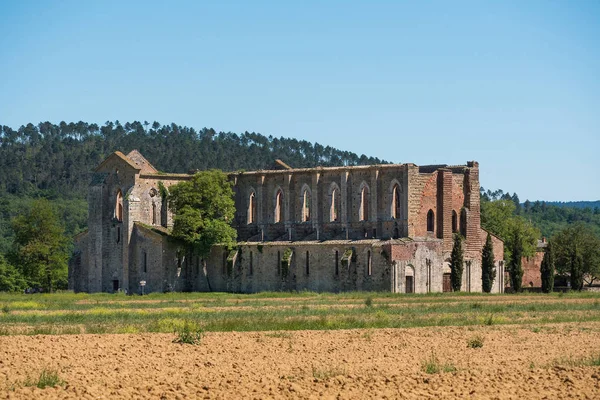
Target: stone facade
(380, 227)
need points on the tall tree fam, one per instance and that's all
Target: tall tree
(488, 271)
(204, 210)
(456, 263)
(547, 270)
(515, 266)
(576, 269)
(40, 248)
(579, 237)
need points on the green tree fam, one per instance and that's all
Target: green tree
(456, 263)
(10, 279)
(515, 267)
(581, 237)
(40, 248)
(488, 271)
(204, 209)
(547, 270)
(498, 217)
(576, 270)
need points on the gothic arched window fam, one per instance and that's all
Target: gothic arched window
(279, 206)
(252, 208)
(430, 221)
(119, 206)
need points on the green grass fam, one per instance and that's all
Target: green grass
(432, 365)
(68, 313)
(47, 378)
(570, 361)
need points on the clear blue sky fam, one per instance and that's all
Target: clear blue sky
(514, 85)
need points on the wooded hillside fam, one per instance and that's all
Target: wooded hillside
(55, 161)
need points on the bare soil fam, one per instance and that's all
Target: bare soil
(515, 362)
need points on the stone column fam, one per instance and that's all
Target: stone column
(473, 244)
(373, 212)
(314, 200)
(444, 207)
(344, 199)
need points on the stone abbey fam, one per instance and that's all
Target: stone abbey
(382, 227)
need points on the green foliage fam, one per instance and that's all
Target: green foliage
(499, 217)
(548, 217)
(47, 378)
(488, 271)
(189, 333)
(576, 270)
(456, 263)
(515, 267)
(369, 301)
(40, 248)
(286, 260)
(57, 158)
(204, 209)
(547, 270)
(581, 239)
(11, 279)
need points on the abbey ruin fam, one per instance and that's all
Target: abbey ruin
(380, 227)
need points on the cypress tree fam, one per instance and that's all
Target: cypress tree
(488, 271)
(456, 263)
(547, 270)
(576, 270)
(516, 268)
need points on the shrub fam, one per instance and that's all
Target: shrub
(189, 333)
(369, 301)
(475, 342)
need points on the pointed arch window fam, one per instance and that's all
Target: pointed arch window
(430, 221)
(396, 209)
(454, 222)
(154, 214)
(119, 206)
(363, 214)
(279, 206)
(334, 211)
(252, 208)
(306, 197)
(463, 222)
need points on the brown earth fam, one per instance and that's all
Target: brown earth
(515, 362)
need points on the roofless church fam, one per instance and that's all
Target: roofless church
(378, 227)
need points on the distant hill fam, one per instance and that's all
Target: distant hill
(575, 204)
(55, 160)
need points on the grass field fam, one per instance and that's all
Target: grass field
(68, 313)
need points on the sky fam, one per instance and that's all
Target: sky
(514, 85)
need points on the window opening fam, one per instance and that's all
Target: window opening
(430, 221)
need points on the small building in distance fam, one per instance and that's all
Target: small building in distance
(532, 277)
(383, 227)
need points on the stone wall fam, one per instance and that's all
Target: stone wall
(532, 277)
(118, 253)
